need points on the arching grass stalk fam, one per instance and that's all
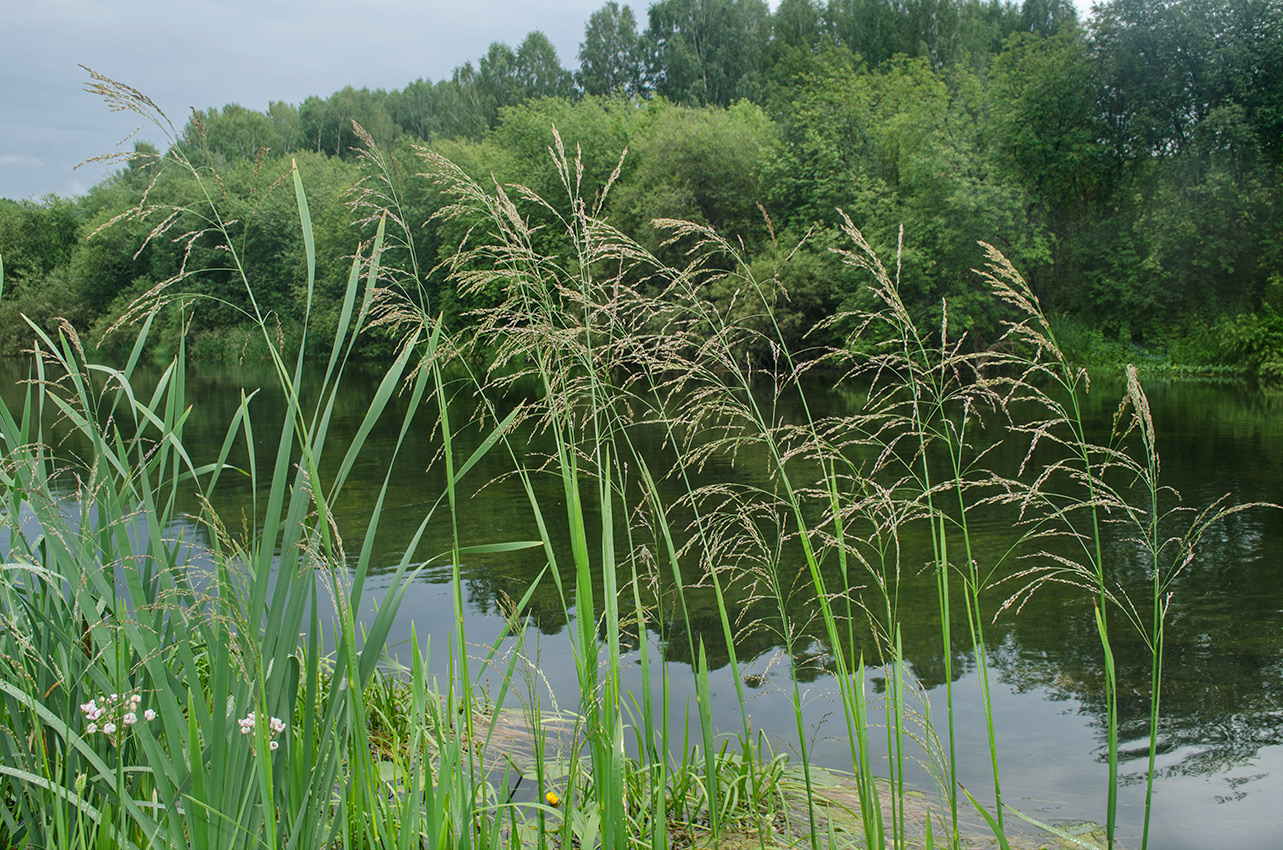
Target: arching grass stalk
(940, 545)
(532, 294)
(379, 197)
(1038, 359)
(926, 382)
(1169, 553)
(1120, 482)
(537, 285)
(206, 649)
(738, 398)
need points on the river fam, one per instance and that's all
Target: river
(1220, 760)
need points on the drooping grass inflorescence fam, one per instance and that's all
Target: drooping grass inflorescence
(105, 601)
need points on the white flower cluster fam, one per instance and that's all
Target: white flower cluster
(275, 727)
(109, 714)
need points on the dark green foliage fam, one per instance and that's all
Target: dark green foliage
(1130, 165)
(942, 31)
(502, 78)
(236, 133)
(600, 128)
(1047, 17)
(325, 126)
(1047, 136)
(610, 56)
(708, 52)
(539, 70)
(37, 244)
(1254, 343)
(701, 165)
(797, 24)
(37, 237)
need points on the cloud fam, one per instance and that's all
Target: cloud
(17, 160)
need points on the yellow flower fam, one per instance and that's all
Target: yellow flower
(551, 798)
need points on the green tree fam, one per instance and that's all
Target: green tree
(499, 80)
(797, 24)
(866, 28)
(596, 129)
(1048, 133)
(37, 243)
(942, 31)
(36, 238)
(415, 109)
(325, 126)
(610, 57)
(708, 52)
(1185, 88)
(464, 108)
(704, 165)
(285, 119)
(1211, 222)
(539, 71)
(901, 146)
(1156, 61)
(1254, 68)
(233, 133)
(1046, 17)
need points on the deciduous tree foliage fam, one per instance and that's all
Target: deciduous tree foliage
(708, 52)
(610, 56)
(1131, 164)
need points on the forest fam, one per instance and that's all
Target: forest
(1129, 165)
(702, 446)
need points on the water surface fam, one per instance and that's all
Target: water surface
(1221, 737)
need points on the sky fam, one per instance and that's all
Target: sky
(187, 54)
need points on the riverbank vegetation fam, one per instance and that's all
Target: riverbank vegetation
(158, 691)
(1129, 165)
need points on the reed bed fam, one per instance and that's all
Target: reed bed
(156, 693)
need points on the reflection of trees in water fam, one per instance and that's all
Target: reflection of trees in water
(1223, 672)
(1223, 680)
(1223, 661)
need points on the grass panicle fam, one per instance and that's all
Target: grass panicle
(266, 713)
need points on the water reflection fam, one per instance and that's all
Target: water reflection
(1224, 645)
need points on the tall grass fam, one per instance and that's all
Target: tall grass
(108, 592)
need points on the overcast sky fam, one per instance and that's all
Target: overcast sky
(203, 53)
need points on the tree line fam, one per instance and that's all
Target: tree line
(1131, 166)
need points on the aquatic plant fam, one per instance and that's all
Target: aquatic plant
(600, 340)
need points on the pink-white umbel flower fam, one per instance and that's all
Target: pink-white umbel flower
(275, 726)
(115, 711)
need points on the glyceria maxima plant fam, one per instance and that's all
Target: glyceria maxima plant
(648, 344)
(644, 344)
(110, 590)
(228, 729)
(1085, 486)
